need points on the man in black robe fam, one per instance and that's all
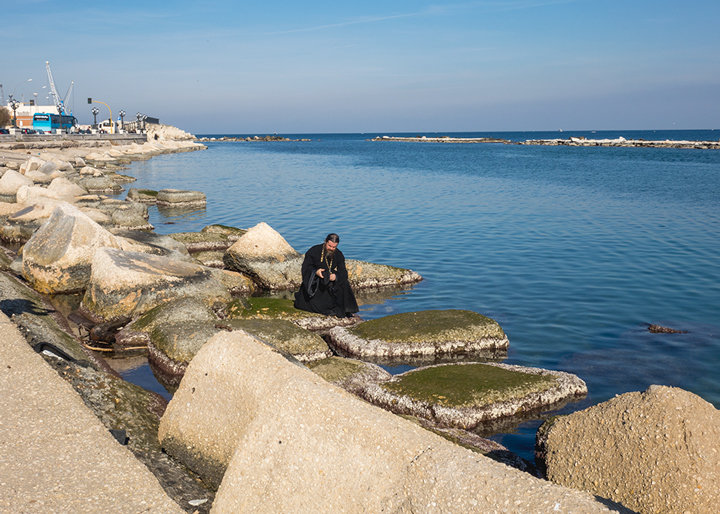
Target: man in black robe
(325, 288)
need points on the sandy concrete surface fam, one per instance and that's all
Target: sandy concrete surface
(55, 455)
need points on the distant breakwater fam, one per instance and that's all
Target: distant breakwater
(573, 141)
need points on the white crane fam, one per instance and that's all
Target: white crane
(59, 104)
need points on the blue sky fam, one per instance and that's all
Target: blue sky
(285, 67)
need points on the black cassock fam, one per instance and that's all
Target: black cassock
(333, 298)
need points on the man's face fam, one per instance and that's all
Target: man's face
(330, 246)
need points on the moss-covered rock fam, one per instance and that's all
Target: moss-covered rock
(179, 310)
(466, 395)
(142, 195)
(232, 233)
(173, 345)
(363, 275)
(429, 333)
(350, 374)
(305, 346)
(282, 308)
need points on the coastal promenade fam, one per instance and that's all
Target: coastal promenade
(55, 454)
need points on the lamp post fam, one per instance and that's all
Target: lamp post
(95, 112)
(14, 106)
(122, 119)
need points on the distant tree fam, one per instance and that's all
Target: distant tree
(5, 117)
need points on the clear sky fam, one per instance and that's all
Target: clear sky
(374, 66)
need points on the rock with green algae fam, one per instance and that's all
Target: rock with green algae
(185, 309)
(282, 308)
(232, 233)
(142, 195)
(350, 374)
(211, 259)
(287, 337)
(466, 395)
(429, 333)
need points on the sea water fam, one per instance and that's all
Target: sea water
(573, 250)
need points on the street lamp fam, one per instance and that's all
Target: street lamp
(95, 112)
(14, 105)
(122, 119)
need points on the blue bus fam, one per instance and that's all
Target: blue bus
(48, 122)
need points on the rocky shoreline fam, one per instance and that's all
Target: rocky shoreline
(573, 141)
(265, 390)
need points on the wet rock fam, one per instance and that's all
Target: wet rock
(155, 244)
(180, 198)
(142, 195)
(126, 217)
(173, 345)
(303, 345)
(57, 258)
(131, 283)
(659, 329)
(468, 394)
(282, 308)
(179, 310)
(654, 451)
(264, 255)
(429, 333)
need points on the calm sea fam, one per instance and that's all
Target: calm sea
(574, 251)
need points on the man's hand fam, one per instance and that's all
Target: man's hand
(332, 277)
(319, 273)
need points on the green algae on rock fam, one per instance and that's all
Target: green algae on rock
(282, 308)
(432, 332)
(466, 395)
(202, 241)
(184, 309)
(305, 346)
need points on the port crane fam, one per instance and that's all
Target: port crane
(59, 103)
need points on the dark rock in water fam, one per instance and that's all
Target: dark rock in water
(105, 332)
(658, 329)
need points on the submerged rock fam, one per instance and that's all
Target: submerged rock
(429, 333)
(468, 394)
(131, 283)
(654, 451)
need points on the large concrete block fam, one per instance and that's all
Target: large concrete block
(282, 439)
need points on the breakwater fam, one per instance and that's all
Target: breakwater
(572, 141)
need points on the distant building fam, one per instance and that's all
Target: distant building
(26, 110)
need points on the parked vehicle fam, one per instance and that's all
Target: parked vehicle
(4, 131)
(27, 131)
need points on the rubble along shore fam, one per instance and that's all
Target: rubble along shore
(573, 141)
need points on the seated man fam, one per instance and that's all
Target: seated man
(325, 288)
